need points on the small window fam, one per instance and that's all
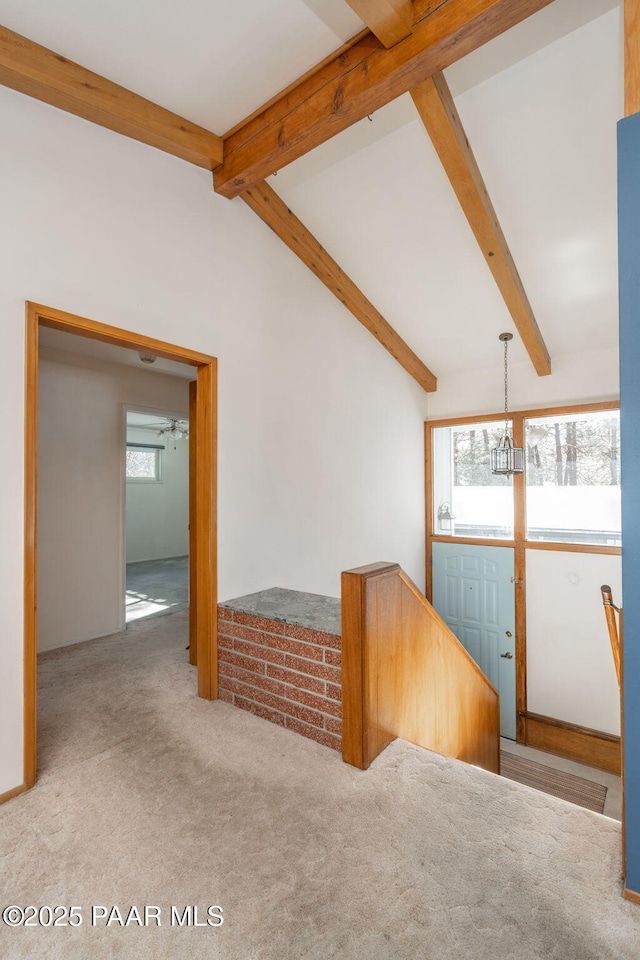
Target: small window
(573, 478)
(144, 463)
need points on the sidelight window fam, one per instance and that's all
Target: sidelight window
(573, 478)
(469, 500)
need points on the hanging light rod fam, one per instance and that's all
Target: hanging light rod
(505, 458)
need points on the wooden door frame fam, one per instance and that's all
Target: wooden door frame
(599, 750)
(203, 514)
(193, 528)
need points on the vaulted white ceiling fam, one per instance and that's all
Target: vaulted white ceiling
(539, 105)
(543, 131)
(211, 61)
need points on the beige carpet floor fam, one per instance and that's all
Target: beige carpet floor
(148, 795)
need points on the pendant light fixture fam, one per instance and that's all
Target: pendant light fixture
(505, 458)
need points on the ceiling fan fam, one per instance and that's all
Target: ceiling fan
(175, 430)
(171, 428)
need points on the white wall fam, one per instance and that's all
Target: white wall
(585, 376)
(320, 431)
(157, 514)
(81, 489)
(570, 671)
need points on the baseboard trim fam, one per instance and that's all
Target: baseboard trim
(631, 895)
(569, 740)
(96, 636)
(10, 794)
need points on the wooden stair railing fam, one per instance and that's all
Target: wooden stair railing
(613, 616)
(405, 674)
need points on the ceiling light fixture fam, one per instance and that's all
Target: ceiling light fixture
(147, 357)
(175, 430)
(505, 458)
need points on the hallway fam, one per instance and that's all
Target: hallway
(149, 795)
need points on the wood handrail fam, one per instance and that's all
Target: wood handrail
(405, 674)
(613, 626)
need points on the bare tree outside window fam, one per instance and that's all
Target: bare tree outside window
(142, 464)
(471, 454)
(573, 478)
(574, 452)
(470, 500)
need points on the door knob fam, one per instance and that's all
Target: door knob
(507, 656)
(508, 633)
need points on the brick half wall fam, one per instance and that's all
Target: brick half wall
(287, 674)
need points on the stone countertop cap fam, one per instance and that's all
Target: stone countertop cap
(310, 610)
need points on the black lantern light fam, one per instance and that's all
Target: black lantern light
(505, 458)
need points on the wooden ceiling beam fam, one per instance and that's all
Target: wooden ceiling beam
(274, 212)
(38, 72)
(439, 114)
(389, 20)
(358, 81)
(631, 57)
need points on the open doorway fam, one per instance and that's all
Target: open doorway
(202, 416)
(156, 517)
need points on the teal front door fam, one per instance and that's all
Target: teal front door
(473, 591)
